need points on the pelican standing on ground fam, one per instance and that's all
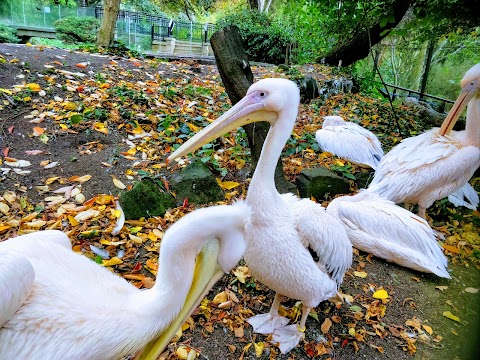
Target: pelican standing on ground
(390, 232)
(433, 165)
(56, 304)
(282, 226)
(349, 141)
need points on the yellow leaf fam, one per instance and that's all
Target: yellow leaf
(104, 199)
(4, 227)
(351, 331)
(51, 180)
(72, 220)
(259, 348)
(449, 315)
(361, 274)
(380, 294)
(68, 105)
(33, 87)
(100, 127)
(81, 179)
(8, 92)
(193, 127)
(113, 261)
(220, 298)
(118, 183)
(339, 162)
(227, 185)
(36, 224)
(182, 352)
(241, 272)
(428, 329)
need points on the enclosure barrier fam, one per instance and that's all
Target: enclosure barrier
(421, 96)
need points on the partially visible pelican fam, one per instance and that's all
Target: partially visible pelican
(434, 164)
(390, 232)
(283, 227)
(349, 141)
(57, 304)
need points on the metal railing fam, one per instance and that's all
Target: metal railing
(421, 96)
(183, 30)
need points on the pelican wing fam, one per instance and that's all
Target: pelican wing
(324, 235)
(378, 226)
(16, 281)
(423, 162)
(465, 196)
(351, 142)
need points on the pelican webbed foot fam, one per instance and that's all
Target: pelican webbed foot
(288, 337)
(267, 323)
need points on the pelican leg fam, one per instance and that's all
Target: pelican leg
(289, 336)
(268, 323)
(422, 212)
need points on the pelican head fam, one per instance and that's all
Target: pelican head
(470, 84)
(333, 120)
(267, 100)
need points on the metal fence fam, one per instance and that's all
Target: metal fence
(183, 30)
(38, 15)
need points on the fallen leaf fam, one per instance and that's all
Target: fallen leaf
(471, 290)
(118, 183)
(33, 87)
(259, 346)
(111, 262)
(380, 294)
(428, 329)
(360, 274)
(451, 248)
(449, 315)
(441, 288)
(326, 325)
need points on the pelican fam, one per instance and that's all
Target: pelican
(57, 304)
(378, 226)
(434, 164)
(283, 227)
(349, 141)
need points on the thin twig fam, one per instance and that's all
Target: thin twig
(397, 121)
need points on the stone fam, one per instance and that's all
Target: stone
(196, 183)
(364, 178)
(320, 183)
(308, 89)
(146, 199)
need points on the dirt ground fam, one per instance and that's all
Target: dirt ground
(415, 305)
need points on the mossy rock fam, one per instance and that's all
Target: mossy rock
(145, 199)
(196, 183)
(320, 182)
(308, 89)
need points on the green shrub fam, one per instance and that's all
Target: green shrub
(8, 34)
(77, 30)
(264, 40)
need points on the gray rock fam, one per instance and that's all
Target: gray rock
(196, 183)
(363, 179)
(308, 88)
(145, 199)
(320, 182)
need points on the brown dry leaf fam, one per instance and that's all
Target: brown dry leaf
(220, 298)
(326, 325)
(428, 329)
(441, 288)
(471, 290)
(80, 179)
(239, 332)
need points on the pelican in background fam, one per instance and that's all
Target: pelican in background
(349, 141)
(390, 232)
(283, 227)
(57, 304)
(434, 164)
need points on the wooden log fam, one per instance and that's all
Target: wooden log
(237, 76)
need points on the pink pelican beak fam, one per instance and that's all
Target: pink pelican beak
(250, 109)
(467, 93)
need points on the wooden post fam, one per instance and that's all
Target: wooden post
(237, 76)
(426, 68)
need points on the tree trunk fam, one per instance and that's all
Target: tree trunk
(237, 77)
(107, 29)
(358, 47)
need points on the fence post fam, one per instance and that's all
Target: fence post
(24, 17)
(426, 69)
(59, 12)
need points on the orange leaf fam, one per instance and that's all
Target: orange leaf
(37, 131)
(450, 248)
(6, 151)
(81, 65)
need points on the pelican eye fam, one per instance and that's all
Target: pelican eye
(262, 94)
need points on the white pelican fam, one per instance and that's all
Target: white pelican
(57, 304)
(434, 164)
(390, 232)
(349, 141)
(282, 227)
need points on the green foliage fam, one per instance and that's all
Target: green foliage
(264, 39)
(76, 30)
(8, 34)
